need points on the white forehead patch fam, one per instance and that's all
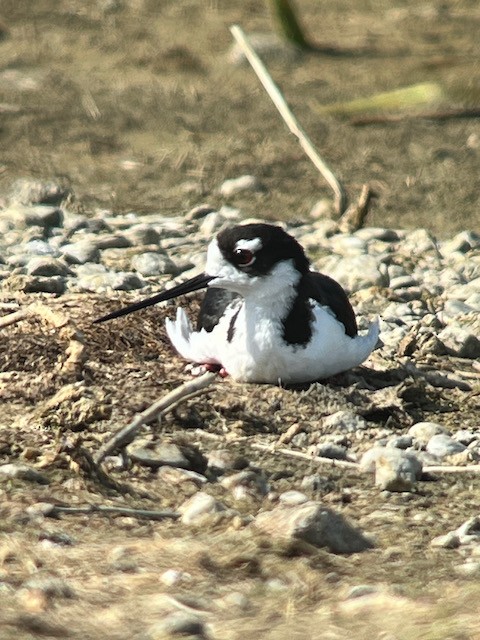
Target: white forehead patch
(254, 245)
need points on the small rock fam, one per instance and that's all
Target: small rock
(174, 576)
(178, 623)
(397, 470)
(112, 241)
(142, 234)
(331, 450)
(442, 445)
(401, 442)
(39, 248)
(316, 482)
(23, 472)
(153, 264)
(423, 431)
(465, 437)
(348, 245)
(47, 266)
(469, 569)
(315, 524)
(344, 422)
(29, 191)
(198, 507)
(158, 455)
(447, 541)
(81, 252)
(292, 498)
(463, 242)
(35, 284)
(237, 185)
(247, 483)
(358, 272)
(460, 342)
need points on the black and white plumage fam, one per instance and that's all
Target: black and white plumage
(266, 317)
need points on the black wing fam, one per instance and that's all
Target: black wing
(328, 292)
(213, 307)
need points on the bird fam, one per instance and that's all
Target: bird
(266, 316)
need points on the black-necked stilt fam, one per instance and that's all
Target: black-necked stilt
(266, 317)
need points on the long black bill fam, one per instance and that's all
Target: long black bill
(194, 284)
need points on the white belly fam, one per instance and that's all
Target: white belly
(258, 353)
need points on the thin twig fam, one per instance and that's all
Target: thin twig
(305, 456)
(127, 434)
(290, 120)
(148, 514)
(472, 468)
(13, 318)
(469, 468)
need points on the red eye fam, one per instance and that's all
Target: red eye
(243, 257)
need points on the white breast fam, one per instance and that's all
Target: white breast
(258, 353)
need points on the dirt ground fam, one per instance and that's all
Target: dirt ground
(136, 106)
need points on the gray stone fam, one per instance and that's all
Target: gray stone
(348, 245)
(397, 470)
(446, 541)
(442, 445)
(39, 248)
(402, 282)
(463, 242)
(401, 442)
(423, 431)
(344, 422)
(112, 241)
(21, 471)
(465, 436)
(41, 216)
(32, 191)
(315, 524)
(81, 252)
(246, 483)
(455, 308)
(158, 455)
(199, 507)
(238, 185)
(47, 266)
(460, 342)
(331, 450)
(358, 272)
(153, 264)
(178, 623)
(292, 498)
(142, 234)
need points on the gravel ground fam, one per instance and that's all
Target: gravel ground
(274, 510)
